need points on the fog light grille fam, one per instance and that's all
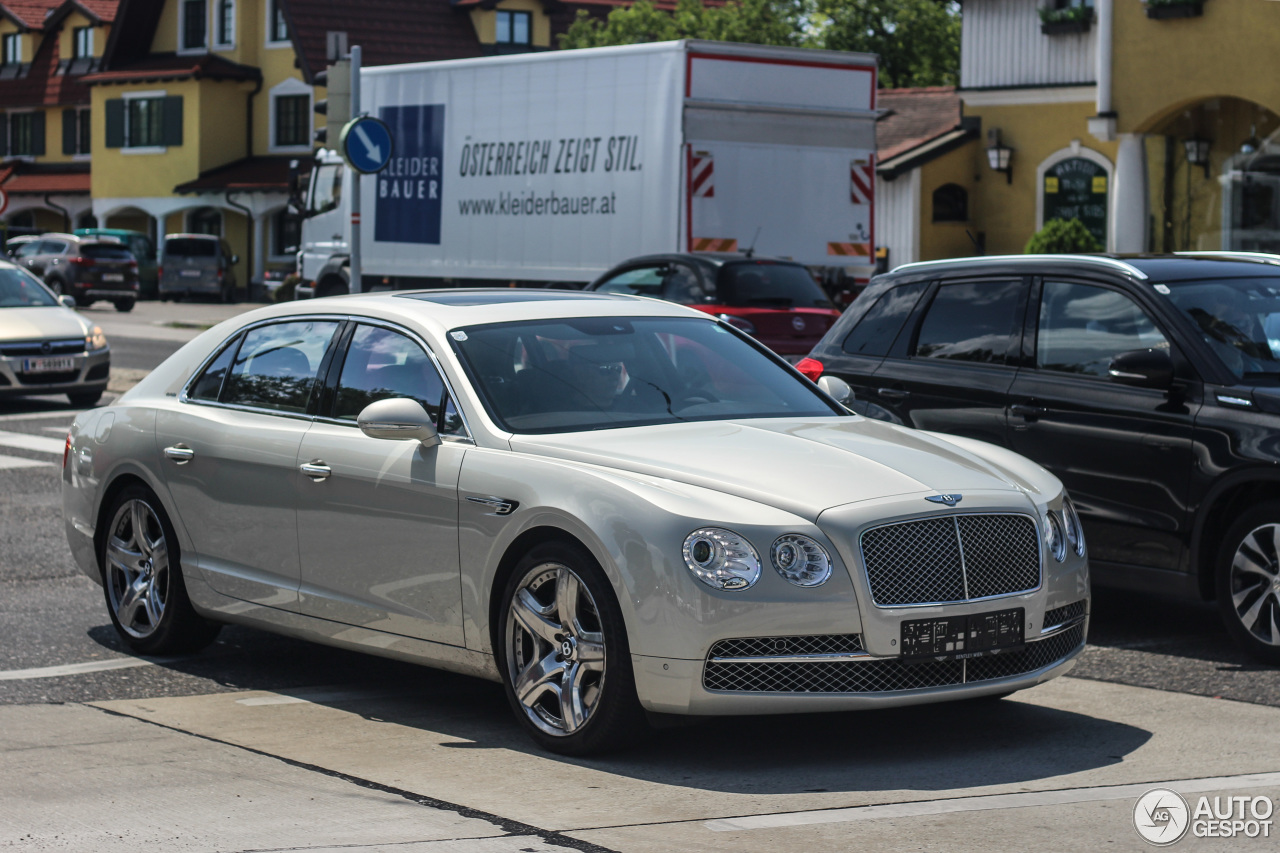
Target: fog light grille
(819, 644)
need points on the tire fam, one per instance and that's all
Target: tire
(85, 399)
(1248, 581)
(124, 306)
(55, 285)
(557, 585)
(332, 287)
(142, 579)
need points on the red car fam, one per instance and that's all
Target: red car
(777, 301)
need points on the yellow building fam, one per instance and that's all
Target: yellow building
(1150, 122)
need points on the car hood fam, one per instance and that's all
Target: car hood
(802, 466)
(25, 324)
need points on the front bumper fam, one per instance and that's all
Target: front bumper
(90, 372)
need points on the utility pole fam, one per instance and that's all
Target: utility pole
(356, 283)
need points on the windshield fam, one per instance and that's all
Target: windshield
(605, 372)
(326, 188)
(18, 289)
(1240, 320)
(768, 285)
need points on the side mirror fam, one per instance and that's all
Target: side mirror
(398, 418)
(235, 259)
(837, 389)
(67, 301)
(1142, 368)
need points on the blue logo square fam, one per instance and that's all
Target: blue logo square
(408, 191)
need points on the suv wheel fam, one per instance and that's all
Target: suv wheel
(1248, 581)
(125, 305)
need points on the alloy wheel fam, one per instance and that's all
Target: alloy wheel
(137, 569)
(1254, 584)
(555, 649)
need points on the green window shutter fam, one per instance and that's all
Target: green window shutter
(68, 131)
(171, 115)
(4, 135)
(37, 133)
(115, 123)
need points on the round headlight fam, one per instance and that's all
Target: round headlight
(721, 558)
(800, 560)
(1054, 539)
(1075, 532)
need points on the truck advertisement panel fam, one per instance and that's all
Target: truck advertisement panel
(566, 166)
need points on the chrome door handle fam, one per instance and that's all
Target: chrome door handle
(316, 470)
(1028, 411)
(896, 394)
(180, 453)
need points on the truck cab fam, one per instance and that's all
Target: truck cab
(326, 229)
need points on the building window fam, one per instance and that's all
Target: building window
(513, 27)
(194, 24)
(950, 203)
(226, 22)
(205, 220)
(144, 122)
(82, 48)
(277, 30)
(286, 233)
(292, 125)
(12, 48)
(21, 134)
(82, 131)
(75, 131)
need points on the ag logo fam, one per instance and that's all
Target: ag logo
(1161, 817)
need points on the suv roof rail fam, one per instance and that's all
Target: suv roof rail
(991, 260)
(1260, 257)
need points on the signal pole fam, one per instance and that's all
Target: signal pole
(356, 284)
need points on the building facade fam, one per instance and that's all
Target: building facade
(1149, 122)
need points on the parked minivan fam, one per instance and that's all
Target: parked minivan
(196, 265)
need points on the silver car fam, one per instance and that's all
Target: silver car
(611, 504)
(45, 346)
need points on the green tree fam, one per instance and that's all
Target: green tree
(918, 41)
(754, 21)
(1062, 237)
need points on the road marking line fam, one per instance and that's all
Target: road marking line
(27, 441)
(318, 696)
(994, 801)
(42, 416)
(74, 668)
(62, 431)
(8, 462)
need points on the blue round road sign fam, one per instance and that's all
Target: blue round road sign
(366, 144)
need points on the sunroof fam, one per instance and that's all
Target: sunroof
(468, 298)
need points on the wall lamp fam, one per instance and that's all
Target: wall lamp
(999, 156)
(1197, 152)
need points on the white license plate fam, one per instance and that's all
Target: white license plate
(48, 365)
(189, 273)
(113, 276)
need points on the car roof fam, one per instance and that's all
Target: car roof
(715, 259)
(192, 237)
(1178, 266)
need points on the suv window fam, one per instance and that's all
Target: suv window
(276, 365)
(876, 331)
(763, 284)
(105, 251)
(1083, 327)
(191, 247)
(52, 247)
(641, 281)
(26, 250)
(972, 321)
(380, 364)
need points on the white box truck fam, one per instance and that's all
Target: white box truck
(552, 167)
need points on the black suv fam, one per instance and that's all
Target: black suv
(1149, 384)
(84, 268)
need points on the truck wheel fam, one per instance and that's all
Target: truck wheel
(1248, 581)
(332, 287)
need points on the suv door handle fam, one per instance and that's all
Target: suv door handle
(896, 394)
(316, 470)
(1027, 410)
(180, 453)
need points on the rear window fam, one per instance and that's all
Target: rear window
(192, 248)
(105, 252)
(767, 285)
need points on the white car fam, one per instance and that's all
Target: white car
(614, 505)
(45, 346)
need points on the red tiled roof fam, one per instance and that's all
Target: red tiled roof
(31, 13)
(43, 85)
(913, 117)
(388, 31)
(169, 66)
(251, 174)
(103, 10)
(24, 178)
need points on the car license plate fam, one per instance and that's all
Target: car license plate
(963, 636)
(48, 365)
(189, 273)
(113, 276)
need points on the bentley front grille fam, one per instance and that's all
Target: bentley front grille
(960, 557)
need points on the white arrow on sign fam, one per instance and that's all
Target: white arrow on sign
(374, 151)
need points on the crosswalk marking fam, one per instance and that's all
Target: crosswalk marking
(27, 441)
(7, 462)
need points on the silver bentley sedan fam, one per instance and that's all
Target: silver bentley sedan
(615, 506)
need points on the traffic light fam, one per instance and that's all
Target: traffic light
(336, 106)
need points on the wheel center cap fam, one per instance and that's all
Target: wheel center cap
(566, 648)
(146, 566)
